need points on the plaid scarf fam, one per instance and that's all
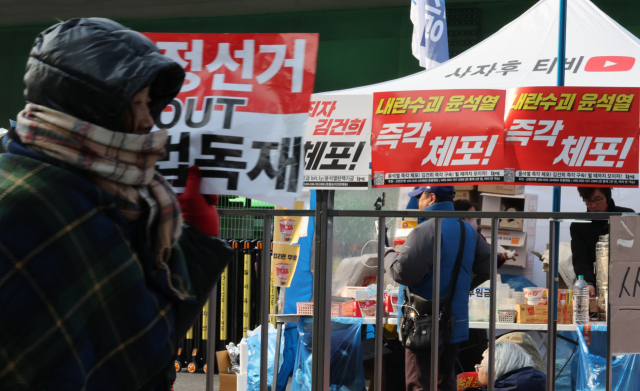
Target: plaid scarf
(122, 164)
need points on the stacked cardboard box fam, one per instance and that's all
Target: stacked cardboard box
(539, 314)
(513, 234)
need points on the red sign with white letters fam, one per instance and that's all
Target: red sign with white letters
(240, 115)
(270, 68)
(437, 136)
(568, 136)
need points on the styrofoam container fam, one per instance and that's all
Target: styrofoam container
(533, 293)
(534, 301)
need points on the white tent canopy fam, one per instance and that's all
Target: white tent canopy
(599, 52)
(527, 40)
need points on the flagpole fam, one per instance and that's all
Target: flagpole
(554, 225)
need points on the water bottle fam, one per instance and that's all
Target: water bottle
(581, 301)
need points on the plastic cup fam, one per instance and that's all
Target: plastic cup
(286, 229)
(466, 380)
(283, 270)
(367, 307)
(533, 293)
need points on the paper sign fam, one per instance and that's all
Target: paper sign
(337, 146)
(283, 263)
(241, 113)
(287, 228)
(480, 294)
(568, 136)
(438, 136)
(624, 319)
(624, 283)
(625, 239)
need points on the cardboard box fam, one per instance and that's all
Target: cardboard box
(228, 382)
(521, 203)
(624, 268)
(471, 195)
(466, 187)
(502, 189)
(539, 314)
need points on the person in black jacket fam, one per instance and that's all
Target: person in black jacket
(103, 268)
(584, 236)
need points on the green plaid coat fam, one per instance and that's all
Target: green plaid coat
(81, 307)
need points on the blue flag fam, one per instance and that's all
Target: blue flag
(429, 44)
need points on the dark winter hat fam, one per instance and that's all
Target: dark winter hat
(440, 191)
(91, 68)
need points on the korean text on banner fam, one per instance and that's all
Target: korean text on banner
(584, 136)
(241, 113)
(337, 148)
(283, 263)
(438, 136)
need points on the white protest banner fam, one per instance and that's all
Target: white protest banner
(241, 113)
(337, 146)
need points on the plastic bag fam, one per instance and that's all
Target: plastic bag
(586, 369)
(346, 366)
(253, 364)
(590, 369)
(517, 283)
(234, 357)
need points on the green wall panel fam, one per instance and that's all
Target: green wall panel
(357, 47)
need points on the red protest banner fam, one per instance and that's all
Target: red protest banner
(439, 136)
(241, 113)
(585, 136)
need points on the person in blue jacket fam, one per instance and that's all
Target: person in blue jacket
(514, 370)
(412, 266)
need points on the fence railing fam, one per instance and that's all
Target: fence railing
(324, 215)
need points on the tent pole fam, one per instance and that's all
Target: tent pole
(554, 224)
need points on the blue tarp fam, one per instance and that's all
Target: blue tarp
(300, 291)
(347, 370)
(586, 370)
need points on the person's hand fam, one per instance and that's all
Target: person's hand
(503, 257)
(197, 209)
(592, 291)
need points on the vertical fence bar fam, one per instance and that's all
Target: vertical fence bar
(609, 374)
(552, 304)
(211, 338)
(493, 287)
(264, 301)
(379, 305)
(274, 381)
(321, 338)
(435, 304)
(554, 226)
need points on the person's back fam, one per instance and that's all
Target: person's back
(412, 267)
(450, 243)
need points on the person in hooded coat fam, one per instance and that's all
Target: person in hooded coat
(100, 276)
(514, 370)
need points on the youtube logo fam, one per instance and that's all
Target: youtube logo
(609, 64)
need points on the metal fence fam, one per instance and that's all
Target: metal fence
(324, 215)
